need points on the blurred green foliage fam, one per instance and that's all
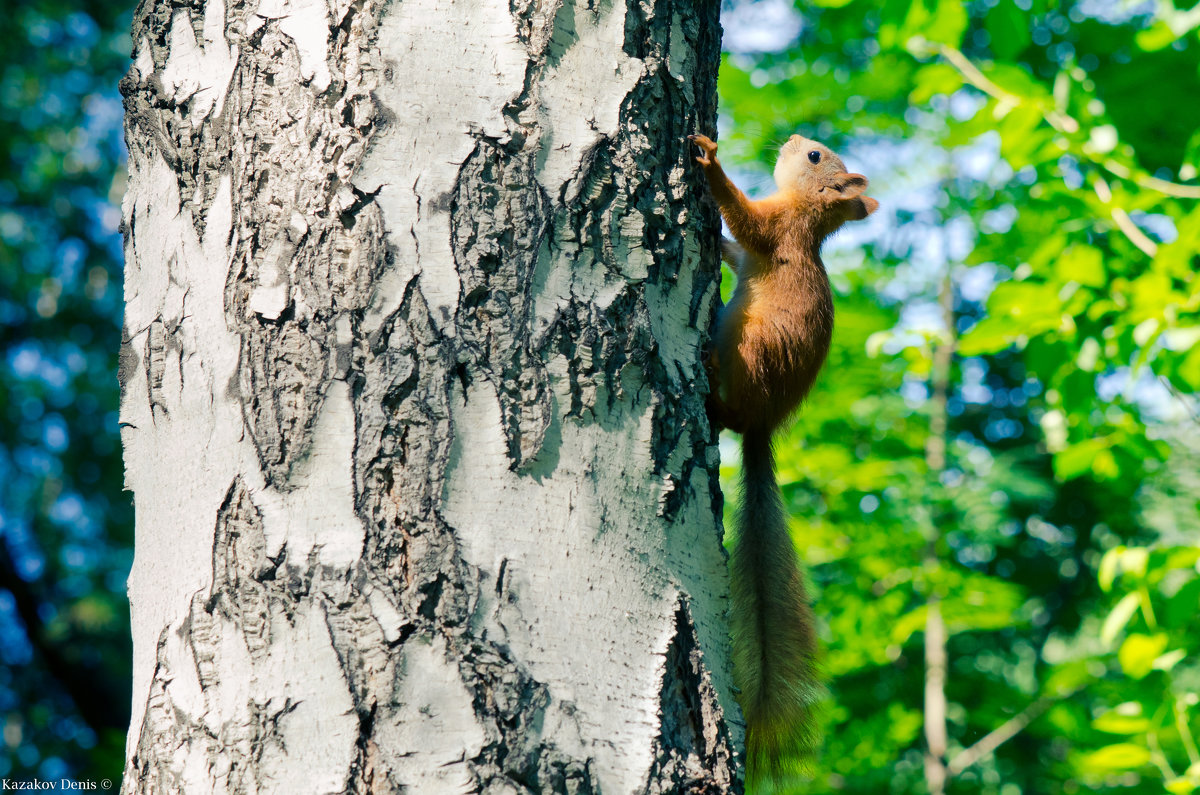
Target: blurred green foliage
(65, 525)
(1036, 162)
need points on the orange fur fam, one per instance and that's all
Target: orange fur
(771, 340)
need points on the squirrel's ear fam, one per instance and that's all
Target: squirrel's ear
(848, 186)
(847, 190)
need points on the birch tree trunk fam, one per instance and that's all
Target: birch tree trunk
(413, 399)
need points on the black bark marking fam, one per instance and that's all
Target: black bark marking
(692, 753)
(497, 230)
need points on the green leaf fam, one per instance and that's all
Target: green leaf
(1083, 264)
(1067, 678)
(1138, 653)
(1156, 37)
(1118, 618)
(1184, 605)
(934, 79)
(949, 24)
(1192, 153)
(1109, 568)
(1187, 372)
(1115, 722)
(1022, 134)
(937, 21)
(1169, 660)
(1171, 558)
(909, 623)
(1182, 339)
(1028, 308)
(1009, 29)
(990, 335)
(1121, 756)
(1081, 458)
(1133, 561)
(981, 603)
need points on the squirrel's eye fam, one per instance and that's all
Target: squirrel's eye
(814, 156)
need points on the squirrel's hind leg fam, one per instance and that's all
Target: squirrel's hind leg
(720, 413)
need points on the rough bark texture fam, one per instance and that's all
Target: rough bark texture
(413, 399)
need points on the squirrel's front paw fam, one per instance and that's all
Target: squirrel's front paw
(707, 146)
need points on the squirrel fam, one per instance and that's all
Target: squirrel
(771, 340)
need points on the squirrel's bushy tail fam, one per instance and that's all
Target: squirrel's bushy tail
(774, 641)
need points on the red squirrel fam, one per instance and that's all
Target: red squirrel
(771, 340)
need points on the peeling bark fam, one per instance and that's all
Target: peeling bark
(412, 399)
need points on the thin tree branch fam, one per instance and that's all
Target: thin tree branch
(936, 734)
(1185, 733)
(1159, 758)
(973, 75)
(1152, 183)
(1122, 219)
(998, 736)
(1182, 398)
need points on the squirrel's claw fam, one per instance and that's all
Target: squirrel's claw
(707, 146)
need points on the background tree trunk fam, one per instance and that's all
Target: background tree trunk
(413, 398)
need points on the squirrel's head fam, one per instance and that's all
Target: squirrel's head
(813, 170)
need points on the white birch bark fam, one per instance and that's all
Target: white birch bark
(413, 399)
